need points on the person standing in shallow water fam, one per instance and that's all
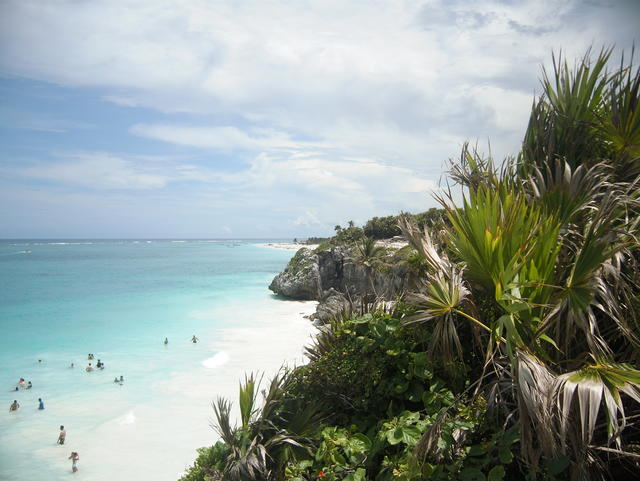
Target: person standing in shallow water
(40, 403)
(74, 461)
(14, 406)
(62, 435)
(194, 339)
(166, 341)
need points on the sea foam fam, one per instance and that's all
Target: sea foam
(218, 360)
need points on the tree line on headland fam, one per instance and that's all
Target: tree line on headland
(383, 227)
(517, 357)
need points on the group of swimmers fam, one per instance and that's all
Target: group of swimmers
(89, 368)
(74, 457)
(23, 384)
(194, 340)
(15, 405)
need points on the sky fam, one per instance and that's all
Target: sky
(264, 118)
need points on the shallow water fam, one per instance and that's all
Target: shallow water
(118, 300)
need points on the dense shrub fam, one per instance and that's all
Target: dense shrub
(382, 227)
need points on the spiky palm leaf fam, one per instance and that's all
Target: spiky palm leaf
(270, 435)
(368, 251)
(441, 298)
(590, 386)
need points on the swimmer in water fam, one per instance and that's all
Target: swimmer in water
(121, 379)
(71, 366)
(166, 341)
(21, 382)
(74, 461)
(194, 339)
(14, 406)
(88, 368)
(29, 385)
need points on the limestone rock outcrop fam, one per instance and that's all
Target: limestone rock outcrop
(334, 276)
(300, 279)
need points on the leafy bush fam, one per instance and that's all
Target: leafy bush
(382, 227)
(209, 464)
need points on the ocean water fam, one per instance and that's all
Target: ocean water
(60, 300)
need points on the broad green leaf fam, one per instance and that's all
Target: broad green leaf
(359, 443)
(411, 435)
(394, 436)
(472, 474)
(496, 474)
(358, 475)
(506, 456)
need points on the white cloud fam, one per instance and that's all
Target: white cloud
(221, 137)
(95, 170)
(375, 77)
(307, 192)
(307, 219)
(327, 110)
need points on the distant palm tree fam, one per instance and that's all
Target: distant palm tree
(368, 253)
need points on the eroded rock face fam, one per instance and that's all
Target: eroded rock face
(300, 279)
(339, 269)
(334, 275)
(332, 304)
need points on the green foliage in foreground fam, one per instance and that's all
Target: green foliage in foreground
(378, 398)
(518, 357)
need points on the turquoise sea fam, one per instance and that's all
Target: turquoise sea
(119, 299)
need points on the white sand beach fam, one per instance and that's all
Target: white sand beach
(291, 246)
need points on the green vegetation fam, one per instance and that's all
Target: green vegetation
(517, 359)
(383, 227)
(386, 227)
(316, 240)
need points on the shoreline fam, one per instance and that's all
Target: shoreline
(289, 246)
(167, 390)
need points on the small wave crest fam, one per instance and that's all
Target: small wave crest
(129, 418)
(63, 243)
(218, 360)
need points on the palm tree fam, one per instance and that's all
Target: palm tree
(368, 254)
(269, 436)
(549, 243)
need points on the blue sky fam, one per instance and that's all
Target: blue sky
(259, 118)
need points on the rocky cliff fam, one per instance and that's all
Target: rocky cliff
(334, 275)
(301, 278)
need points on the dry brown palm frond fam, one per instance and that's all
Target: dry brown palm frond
(441, 298)
(535, 382)
(422, 242)
(559, 414)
